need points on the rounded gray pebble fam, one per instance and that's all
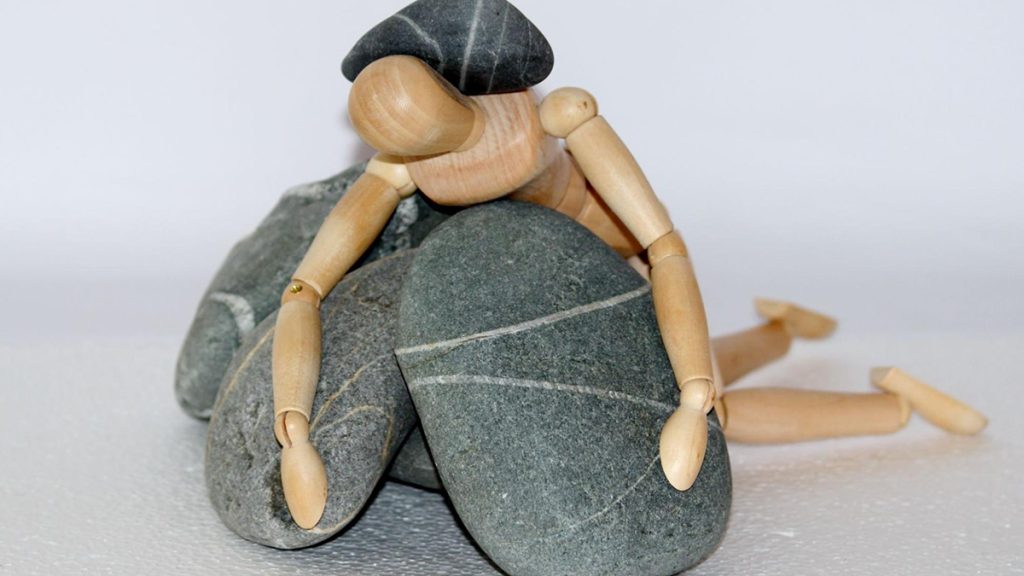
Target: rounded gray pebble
(480, 46)
(535, 362)
(247, 288)
(361, 414)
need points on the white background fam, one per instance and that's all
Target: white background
(865, 158)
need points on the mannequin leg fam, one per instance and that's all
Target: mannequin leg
(743, 352)
(781, 415)
(777, 415)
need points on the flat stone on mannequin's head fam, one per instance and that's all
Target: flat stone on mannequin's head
(480, 46)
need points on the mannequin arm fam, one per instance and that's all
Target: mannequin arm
(350, 228)
(612, 171)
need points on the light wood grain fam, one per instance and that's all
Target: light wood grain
(778, 415)
(548, 188)
(800, 322)
(741, 353)
(566, 109)
(512, 150)
(937, 407)
(575, 193)
(296, 371)
(402, 107)
(303, 476)
(295, 360)
(682, 446)
(597, 217)
(670, 244)
(637, 262)
(346, 234)
(392, 170)
(612, 170)
(680, 312)
(614, 174)
(349, 229)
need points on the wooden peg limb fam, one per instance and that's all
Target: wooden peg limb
(640, 265)
(743, 352)
(345, 235)
(799, 322)
(937, 407)
(680, 313)
(296, 371)
(683, 330)
(596, 216)
(394, 171)
(680, 310)
(606, 162)
(614, 174)
(565, 110)
(303, 476)
(296, 354)
(684, 438)
(778, 415)
(347, 232)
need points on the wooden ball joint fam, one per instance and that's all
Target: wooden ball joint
(565, 110)
(462, 150)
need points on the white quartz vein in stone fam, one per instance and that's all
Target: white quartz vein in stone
(469, 44)
(619, 498)
(529, 47)
(529, 325)
(315, 191)
(497, 51)
(325, 406)
(240, 308)
(539, 385)
(426, 38)
(407, 213)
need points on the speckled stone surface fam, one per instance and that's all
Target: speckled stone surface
(361, 414)
(413, 463)
(535, 363)
(480, 46)
(248, 286)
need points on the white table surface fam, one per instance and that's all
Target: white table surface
(103, 475)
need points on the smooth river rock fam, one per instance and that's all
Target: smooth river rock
(480, 46)
(248, 286)
(536, 366)
(361, 415)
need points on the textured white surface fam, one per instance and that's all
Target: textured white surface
(110, 478)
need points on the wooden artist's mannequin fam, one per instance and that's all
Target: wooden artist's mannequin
(459, 151)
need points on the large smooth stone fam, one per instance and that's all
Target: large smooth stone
(535, 363)
(480, 46)
(361, 414)
(248, 286)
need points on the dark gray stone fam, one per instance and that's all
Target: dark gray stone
(480, 46)
(361, 415)
(535, 363)
(404, 532)
(248, 286)
(413, 464)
